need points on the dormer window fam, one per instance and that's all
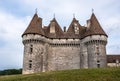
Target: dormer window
(76, 28)
(52, 27)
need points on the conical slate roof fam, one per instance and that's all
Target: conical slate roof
(95, 28)
(35, 26)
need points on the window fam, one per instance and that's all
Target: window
(30, 60)
(98, 65)
(97, 50)
(76, 28)
(52, 27)
(31, 49)
(97, 53)
(117, 61)
(30, 66)
(98, 61)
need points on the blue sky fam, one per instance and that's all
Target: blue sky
(15, 16)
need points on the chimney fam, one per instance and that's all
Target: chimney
(64, 29)
(88, 23)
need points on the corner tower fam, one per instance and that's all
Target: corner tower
(94, 45)
(34, 47)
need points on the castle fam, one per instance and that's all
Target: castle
(49, 47)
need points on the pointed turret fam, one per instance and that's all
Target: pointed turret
(94, 28)
(35, 26)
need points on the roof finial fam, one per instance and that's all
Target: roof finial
(92, 10)
(73, 15)
(36, 11)
(54, 15)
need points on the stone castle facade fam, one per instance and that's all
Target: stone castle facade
(51, 48)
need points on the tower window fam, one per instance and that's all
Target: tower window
(30, 60)
(31, 49)
(98, 65)
(30, 66)
(97, 53)
(97, 50)
(98, 61)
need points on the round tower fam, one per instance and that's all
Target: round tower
(94, 40)
(34, 47)
(96, 50)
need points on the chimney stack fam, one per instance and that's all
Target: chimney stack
(88, 24)
(64, 29)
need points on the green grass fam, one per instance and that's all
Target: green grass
(101, 74)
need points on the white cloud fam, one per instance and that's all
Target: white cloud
(112, 27)
(11, 29)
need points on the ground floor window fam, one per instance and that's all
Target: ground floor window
(98, 65)
(30, 66)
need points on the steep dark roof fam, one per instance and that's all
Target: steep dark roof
(35, 26)
(113, 58)
(71, 27)
(71, 33)
(95, 28)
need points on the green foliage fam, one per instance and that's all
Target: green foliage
(11, 71)
(101, 74)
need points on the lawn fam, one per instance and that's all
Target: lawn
(100, 74)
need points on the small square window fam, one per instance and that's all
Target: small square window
(30, 66)
(30, 60)
(98, 65)
(31, 49)
(98, 61)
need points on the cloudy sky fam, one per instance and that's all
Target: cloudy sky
(15, 16)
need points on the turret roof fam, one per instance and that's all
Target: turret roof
(35, 26)
(95, 28)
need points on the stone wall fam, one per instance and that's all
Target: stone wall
(60, 54)
(83, 55)
(64, 57)
(96, 50)
(33, 56)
